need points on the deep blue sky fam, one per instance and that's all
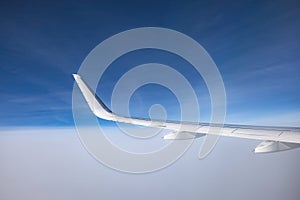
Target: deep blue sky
(255, 45)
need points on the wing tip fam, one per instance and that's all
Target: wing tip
(76, 76)
(95, 103)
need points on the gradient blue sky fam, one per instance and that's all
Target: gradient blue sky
(255, 45)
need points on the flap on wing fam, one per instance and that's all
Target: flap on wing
(274, 146)
(182, 135)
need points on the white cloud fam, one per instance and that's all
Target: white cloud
(43, 163)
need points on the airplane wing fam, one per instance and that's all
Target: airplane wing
(274, 138)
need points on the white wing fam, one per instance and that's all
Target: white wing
(275, 138)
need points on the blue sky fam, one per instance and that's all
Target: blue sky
(255, 45)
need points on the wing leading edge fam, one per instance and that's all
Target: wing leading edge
(275, 139)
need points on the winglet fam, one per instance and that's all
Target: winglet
(94, 102)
